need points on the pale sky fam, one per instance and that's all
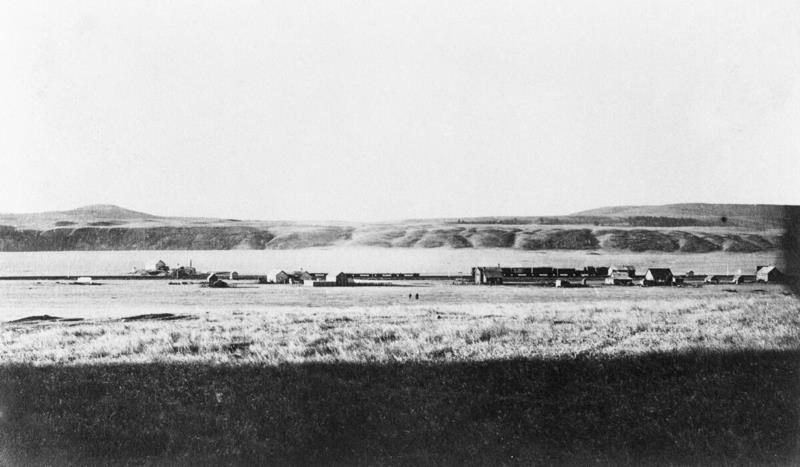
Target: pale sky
(378, 110)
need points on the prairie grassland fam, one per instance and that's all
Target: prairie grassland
(450, 324)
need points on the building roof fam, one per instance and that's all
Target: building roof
(660, 272)
(155, 264)
(626, 269)
(492, 272)
(767, 270)
(619, 275)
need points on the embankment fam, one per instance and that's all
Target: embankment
(257, 237)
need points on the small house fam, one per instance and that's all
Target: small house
(277, 276)
(299, 277)
(487, 275)
(658, 276)
(630, 271)
(768, 274)
(618, 278)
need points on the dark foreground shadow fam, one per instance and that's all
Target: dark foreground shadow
(698, 408)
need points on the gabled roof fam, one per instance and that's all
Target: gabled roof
(660, 272)
(766, 270)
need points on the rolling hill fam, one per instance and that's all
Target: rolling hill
(702, 213)
(688, 228)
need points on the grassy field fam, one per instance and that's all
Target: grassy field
(284, 324)
(465, 375)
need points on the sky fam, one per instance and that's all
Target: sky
(380, 110)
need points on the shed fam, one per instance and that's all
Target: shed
(658, 276)
(768, 274)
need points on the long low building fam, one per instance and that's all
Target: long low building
(349, 278)
(504, 275)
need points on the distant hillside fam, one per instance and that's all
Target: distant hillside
(693, 228)
(106, 211)
(699, 210)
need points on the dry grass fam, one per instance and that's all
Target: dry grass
(605, 323)
(466, 376)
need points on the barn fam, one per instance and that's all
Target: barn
(658, 276)
(768, 274)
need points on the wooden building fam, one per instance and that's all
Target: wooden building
(618, 278)
(344, 279)
(768, 274)
(628, 270)
(658, 276)
(156, 267)
(488, 275)
(278, 276)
